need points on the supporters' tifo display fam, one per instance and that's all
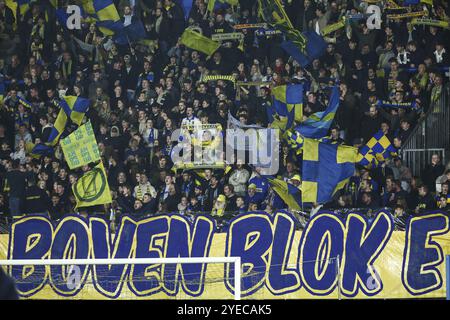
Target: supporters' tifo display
(271, 130)
(332, 257)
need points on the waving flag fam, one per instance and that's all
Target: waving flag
(318, 124)
(315, 48)
(106, 16)
(287, 106)
(24, 5)
(377, 150)
(197, 41)
(295, 141)
(303, 47)
(106, 10)
(133, 32)
(290, 194)
(71, 107)
(326, 168)
(92, 188)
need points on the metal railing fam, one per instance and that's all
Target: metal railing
(431, 135)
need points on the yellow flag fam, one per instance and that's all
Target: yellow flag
(80, 147)
(197, 41)
(92, 188)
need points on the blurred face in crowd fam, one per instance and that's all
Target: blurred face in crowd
(121, 177)
(142, 178)
(55, 200)
(366, 199)
(240, 202)
(435, 159)
(404, 125)
(444, 188)
(394, 66)
(59, 189)
(147, 198)
(189, 111)
(442, 202)
(137, 205)
(162, 162)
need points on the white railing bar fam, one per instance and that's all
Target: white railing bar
(68, 262)
(53, 262)
(237, 278)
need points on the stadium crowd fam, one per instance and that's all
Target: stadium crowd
(140, 93)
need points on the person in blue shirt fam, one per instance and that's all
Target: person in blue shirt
(262, 188)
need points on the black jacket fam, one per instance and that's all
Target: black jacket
(36, 200)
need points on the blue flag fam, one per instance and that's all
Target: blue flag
(315, 48)
(133, 32)
(318, 124)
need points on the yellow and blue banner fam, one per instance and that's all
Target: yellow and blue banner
(72, 107)
(326, 168)
(287, 105)
(288, 192)
(24, 5)
(105, 10)
(294, 140)
(377, 150)
(318, 124)
(220, 4)
(303, 47)
(38, 150)
(350, 257)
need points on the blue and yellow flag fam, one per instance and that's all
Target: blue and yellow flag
(318, 124)
(377, 150)
(71, 107)
(326, 169)
(302, 46)
(2, 90)
(287, 105)
(38, 150)
(219, 4)
(106, 16)
(106, 10)
(24, 5)
(294, 140)
(314, 49)
(290, 194)
(273, 13)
